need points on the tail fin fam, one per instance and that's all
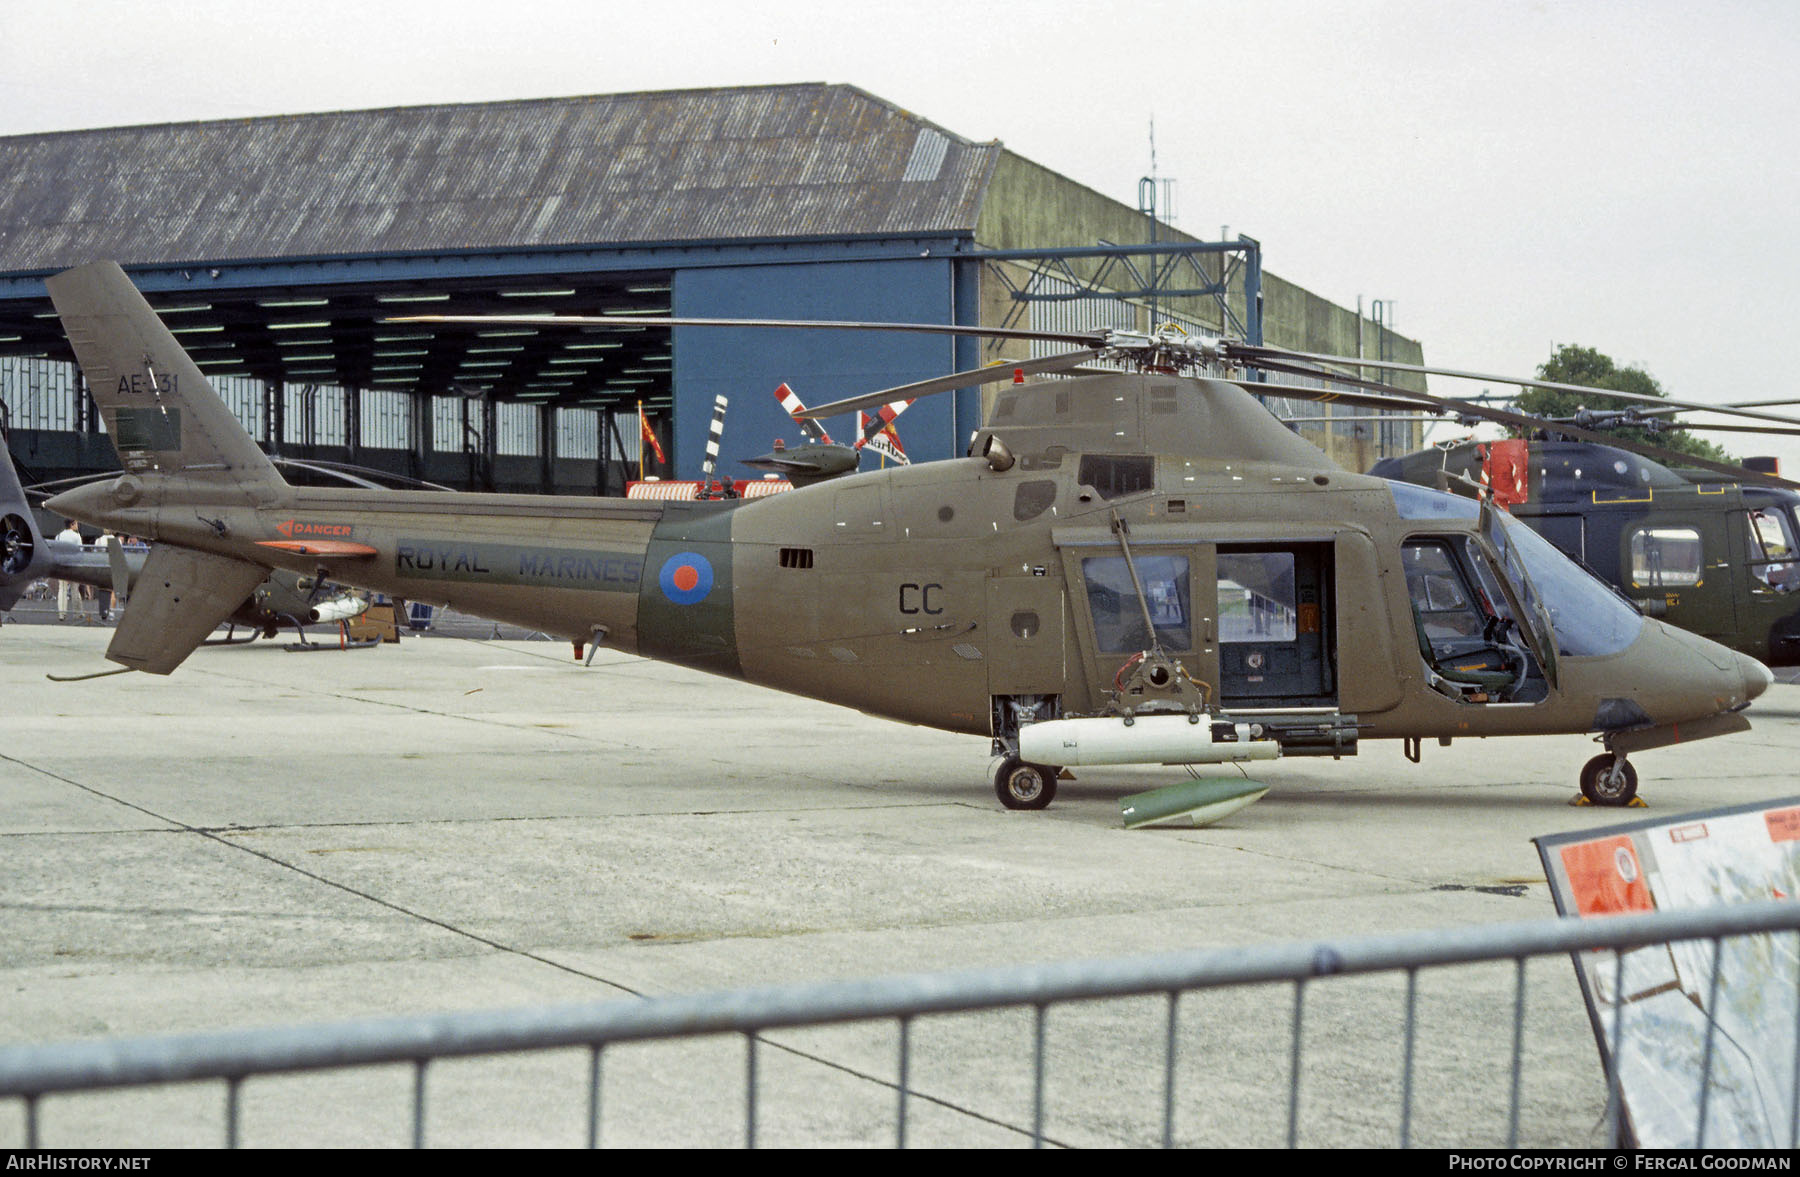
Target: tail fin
(163, 416)
(165, 421)
(24, 556)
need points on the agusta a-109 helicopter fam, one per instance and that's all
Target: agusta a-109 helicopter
(1131, 567)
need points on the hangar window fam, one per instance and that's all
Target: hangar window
(577, 433)
(516, 426)
(385, 418)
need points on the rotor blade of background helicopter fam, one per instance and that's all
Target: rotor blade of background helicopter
(1436, 419)
(1667, 410)
(1061, 362)
(624, 322)
(1523, 421)
(1253, 354)
(1691, 427)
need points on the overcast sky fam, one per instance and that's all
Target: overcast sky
(1510, 175)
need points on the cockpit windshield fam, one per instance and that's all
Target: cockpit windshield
(1587, 618)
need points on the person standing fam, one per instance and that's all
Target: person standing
(103, 597)
(65, 589)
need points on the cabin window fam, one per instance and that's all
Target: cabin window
(1772, 549)
(1256, 597)
(1118, 615)
(1665, 557)
(1115, 476)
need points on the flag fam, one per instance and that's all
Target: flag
(882, 421)
(650, 436)
(883, 441)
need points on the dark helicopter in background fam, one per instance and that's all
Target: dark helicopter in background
(1716, 552)
(1131, 566)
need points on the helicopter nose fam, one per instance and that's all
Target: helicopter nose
(1756, 676)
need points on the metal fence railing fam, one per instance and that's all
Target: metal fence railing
(1164, 1052)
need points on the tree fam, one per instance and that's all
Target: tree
(1574, 364)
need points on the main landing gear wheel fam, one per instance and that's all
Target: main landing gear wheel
(1024, 786)
(1609, 780)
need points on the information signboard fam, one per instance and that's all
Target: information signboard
(1689, 1010)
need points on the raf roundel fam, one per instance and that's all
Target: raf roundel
(686, 578)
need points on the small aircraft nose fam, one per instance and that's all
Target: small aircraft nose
(1756, 676)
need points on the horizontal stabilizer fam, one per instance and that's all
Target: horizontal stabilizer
(180, 597)
(318, 547)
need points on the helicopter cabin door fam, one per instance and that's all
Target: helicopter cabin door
(1107, 613)
(1276, 641)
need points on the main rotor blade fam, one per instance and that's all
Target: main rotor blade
(1060, 362)
(1253, 353)
(626, 322)
(1523, 421)
(1390, 398)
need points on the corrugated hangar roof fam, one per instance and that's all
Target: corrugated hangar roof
(694, 165)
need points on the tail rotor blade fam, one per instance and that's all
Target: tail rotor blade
(715, 433)
(1061, 362)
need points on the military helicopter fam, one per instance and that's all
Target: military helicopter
(821, 458)
(1706, 551)
(1130, 567)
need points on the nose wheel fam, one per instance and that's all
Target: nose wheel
(1609, 779)
(1024, 786)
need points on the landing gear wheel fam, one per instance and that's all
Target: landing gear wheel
(1609, 780)
(1024, 786)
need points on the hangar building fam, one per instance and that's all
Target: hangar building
(282, 250)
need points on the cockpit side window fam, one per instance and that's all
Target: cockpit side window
(1772, 549)
(1465, 633)
(1440, 595)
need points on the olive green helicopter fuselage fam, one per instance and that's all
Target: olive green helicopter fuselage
(1119, 549)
